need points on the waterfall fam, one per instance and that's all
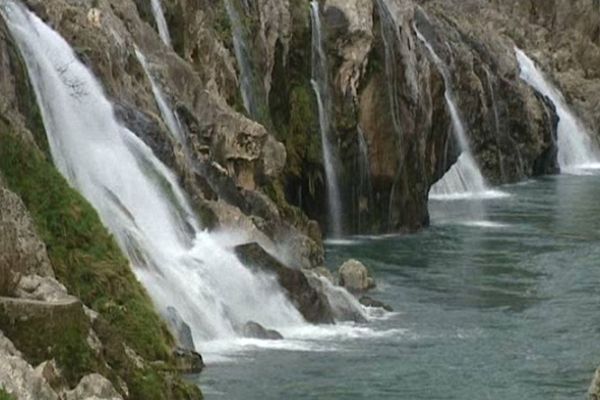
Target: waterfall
(576, 151)
(320, 84)
(390, 35)
(138, 198)
(161, 22)
(169, 117)
(365, 187)
(250, 85)
(464, 179)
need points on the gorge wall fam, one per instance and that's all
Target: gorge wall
(252, 162)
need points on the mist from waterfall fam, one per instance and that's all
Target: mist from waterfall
(576, 150)
(464, 179)
(138, 198)
(161, 22)
(320, 84)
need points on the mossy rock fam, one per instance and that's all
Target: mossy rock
(88, 262)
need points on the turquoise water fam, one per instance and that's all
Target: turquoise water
(498, 300)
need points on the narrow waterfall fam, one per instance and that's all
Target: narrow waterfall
(320, 84)
(390, 35)
(464, 179)
(161, 22)
(169, 117)
(250, 85)
(138, 198)
(365, 187)
(576, 151)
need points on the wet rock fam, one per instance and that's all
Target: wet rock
(313, 306)
(93, 387)
(257, 331)
(594, 390)
(370, 302)
(354, 276)
(181, 330)
(344, 305)
(188, 361)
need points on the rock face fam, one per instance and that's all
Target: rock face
(93, 387)
(17, 227)
(354, 276)
(313, 306)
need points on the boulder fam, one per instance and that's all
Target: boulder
(354, 276)
(370, 302)
(18, 377)
(257, 331)
(181, 330)
(344, 305)
(188, 361)
(313, 305)
(93, 387)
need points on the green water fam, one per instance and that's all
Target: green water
(494, 301)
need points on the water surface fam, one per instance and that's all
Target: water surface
(497, 300)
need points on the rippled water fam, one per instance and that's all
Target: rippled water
(494, 301)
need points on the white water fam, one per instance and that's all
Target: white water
(464, 179)
(320, 84)
(576, 151)
(169, 117)
(138, 198)
(161, 22)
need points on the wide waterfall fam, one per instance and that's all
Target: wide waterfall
(138, 198)
(464, 179)
(169, 117)
(161, 22)
(576, 151)
(320, 84)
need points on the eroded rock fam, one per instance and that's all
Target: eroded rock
(354, 276)
(255, 330)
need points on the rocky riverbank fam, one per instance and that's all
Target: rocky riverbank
(257, 169)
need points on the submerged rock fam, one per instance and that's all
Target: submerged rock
(313, 305)
(354, 276)
(370, 302)
(257, 331)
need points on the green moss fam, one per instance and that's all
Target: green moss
(85, 257)
(5, 396)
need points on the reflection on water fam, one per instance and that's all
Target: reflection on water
(497, 305)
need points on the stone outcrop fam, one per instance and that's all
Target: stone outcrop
(355, 277)
(18, 228)
(313, 306)
(594, 390)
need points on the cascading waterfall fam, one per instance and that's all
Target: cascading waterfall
(253, 97)
(576, 151)
(138, 198)
(169, 117)
(320, 84)
(161, 22)
(464, 179)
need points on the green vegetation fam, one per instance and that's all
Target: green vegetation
(88, 262)
(85, 257)
(5, 396)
